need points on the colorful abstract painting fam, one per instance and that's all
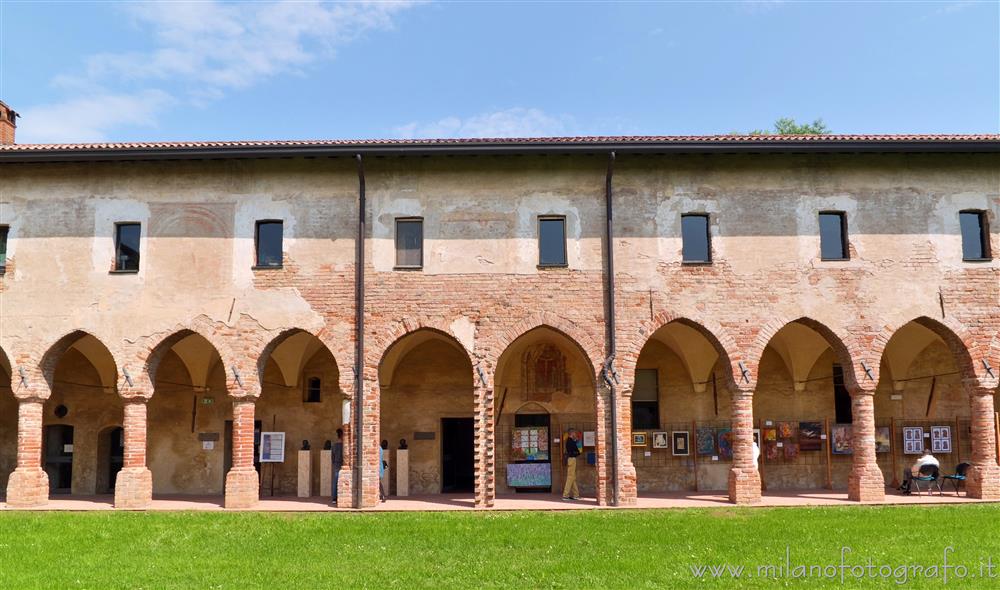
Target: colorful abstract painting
(840, 435)
(791, 451)
(786, 430)
(725, 437)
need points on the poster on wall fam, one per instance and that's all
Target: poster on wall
(725, 444)
(272, 447)
(840, 443)
(681, 443)
(530, 443)
(589, 438)
(809, 436)
(529, 475)
(913, 440)
(661, 440)
(940, 439)
(883, 440)
(705, 441)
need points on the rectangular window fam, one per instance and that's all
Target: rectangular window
(696, 243)
(833, 236)
(841, 397)
(975, 235)
(127, 246)
(409, 243)
(3, 247)
(551, 241)
(268, 240)
(646, 400)
(314, 391)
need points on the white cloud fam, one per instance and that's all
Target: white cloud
(201, 51)
(514, 122)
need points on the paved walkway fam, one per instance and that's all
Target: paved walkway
(445, 502)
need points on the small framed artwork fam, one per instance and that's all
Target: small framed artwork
(681, 440)
(882, 440)
(661, 440)
(638, 439)
(941, 439)
(913, 440)
(841, 443)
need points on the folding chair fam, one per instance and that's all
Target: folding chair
(930, 475)
(958, 478)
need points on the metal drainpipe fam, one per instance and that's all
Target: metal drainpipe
(359, 334)
(608, 371)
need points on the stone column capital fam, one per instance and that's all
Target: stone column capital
(976, 386)
(863, 389)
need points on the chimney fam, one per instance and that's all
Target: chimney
(8, 124)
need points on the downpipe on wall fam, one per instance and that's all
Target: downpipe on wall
(608, 373)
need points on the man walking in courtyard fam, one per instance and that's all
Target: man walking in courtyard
(571, 491)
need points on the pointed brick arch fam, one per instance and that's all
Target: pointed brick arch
(381, 343)
(49, 359)
(967, 350)
(847, 347)
(715, 333)
(146, 354)
(346, 383)
(499, 342)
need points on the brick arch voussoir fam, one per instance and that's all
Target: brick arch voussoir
(50, 355)
(388, 336)
(717, 335)
(502, 339)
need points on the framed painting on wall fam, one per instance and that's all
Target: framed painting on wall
(661, 440)
(681, 443)
(725, 443)
(809, 436)
(883, 441)
(786, 430)
(638, 439)
(705, 440)
(840, 443)
(941, 439)
(913, 440)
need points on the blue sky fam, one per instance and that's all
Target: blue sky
(211, 70)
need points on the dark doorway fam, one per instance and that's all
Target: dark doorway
(458, 470)
(116, 456)
(59, 458)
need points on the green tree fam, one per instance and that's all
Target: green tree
(788, 126)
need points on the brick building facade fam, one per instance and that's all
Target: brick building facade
(159, 376)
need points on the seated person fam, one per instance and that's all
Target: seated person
(908, 474)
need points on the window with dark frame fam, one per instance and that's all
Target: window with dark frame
(695, 239)
(4, 230)
(975, 235)
(268, 242)
(409, 242)
(551, 241)
(841, 397)
(314, 391)
(127, 236)
(833, 236)
(646, 400)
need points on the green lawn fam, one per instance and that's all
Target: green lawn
(585, 549)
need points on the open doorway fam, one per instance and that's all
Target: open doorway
(59, 457)
(110, 458)
(457, 455)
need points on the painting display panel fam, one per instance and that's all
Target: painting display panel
(840, 443)
(661, 440)
(809, 436)
(913, 440)
(530, 443)
(681, 443)
(941, 439)
(883, 440)
(725, 437)
(529, 475)
(705, 440)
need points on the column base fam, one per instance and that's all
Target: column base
(867, 486)
(744, 485)
(27, 488)
(345, 488)
(983, 482)
(627, 490)
(134, 488)
(242, 489)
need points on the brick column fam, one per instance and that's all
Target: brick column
(134, 484)
(485, 442)
(984, 476)
(28, 485)
(370, 440)
(744, 478)
(345, 483)
(865, 483)
(242, 481)
(627, 490)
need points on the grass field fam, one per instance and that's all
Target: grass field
(585, 549)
